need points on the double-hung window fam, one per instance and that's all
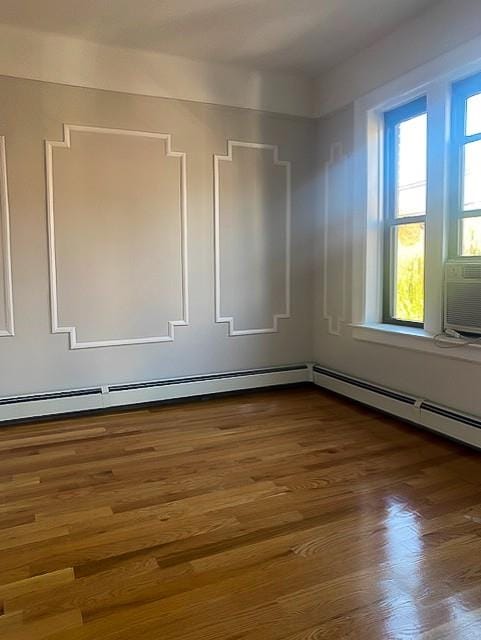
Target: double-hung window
(465, 183)
(405, 196)
(419, 182)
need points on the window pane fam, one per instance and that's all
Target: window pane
(472, 176)
(473, 115)
(411, 170)
(409, 272)
(471, 237)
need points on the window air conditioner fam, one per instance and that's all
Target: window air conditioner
(462, 296)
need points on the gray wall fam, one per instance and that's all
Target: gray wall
(116, 271)
(448, 381)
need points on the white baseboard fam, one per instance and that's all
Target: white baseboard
(463, 428)
(73, 401)
(448, 422)
(48, 404)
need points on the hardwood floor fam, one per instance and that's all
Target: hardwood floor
(280, 515)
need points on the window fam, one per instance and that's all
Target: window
(405, 186)
(465, 201)
(422, 209)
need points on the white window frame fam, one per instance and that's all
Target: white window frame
(461, 92)
(433, 80)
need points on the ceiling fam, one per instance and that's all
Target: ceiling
(305, 36)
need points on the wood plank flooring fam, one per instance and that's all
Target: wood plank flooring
(279, 515)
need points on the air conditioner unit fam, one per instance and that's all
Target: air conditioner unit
(462, 296)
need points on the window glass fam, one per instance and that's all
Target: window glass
(471, 236)
(409, 272)
(472, 176)
(473, 115)
(405, 157)
(411, 154)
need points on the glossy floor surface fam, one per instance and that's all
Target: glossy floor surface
(280, 515)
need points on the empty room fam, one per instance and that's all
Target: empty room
(240, 320)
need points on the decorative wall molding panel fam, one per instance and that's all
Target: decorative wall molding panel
(111, 218)
(246, 219)
(335, 239)
(6, 290)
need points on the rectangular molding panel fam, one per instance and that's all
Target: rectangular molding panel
(117, 220)
(252, 226)
(6, 288)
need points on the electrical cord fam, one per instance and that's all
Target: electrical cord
(462, 341)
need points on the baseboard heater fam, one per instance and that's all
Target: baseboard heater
(448, 422)
(72, 401)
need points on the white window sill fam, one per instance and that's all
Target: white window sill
(414, 339)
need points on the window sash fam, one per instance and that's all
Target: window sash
(461, 92)
(391, 120)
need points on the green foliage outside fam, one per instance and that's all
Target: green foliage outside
(471, 237)
(409, 298)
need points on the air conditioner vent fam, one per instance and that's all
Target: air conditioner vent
(462, 296)
(472, 272)
(463, 304)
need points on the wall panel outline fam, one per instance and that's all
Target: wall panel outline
(9, 329)
(219, 318)
(336, 158)
(72, 331)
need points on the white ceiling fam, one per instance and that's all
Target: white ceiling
(307, 36)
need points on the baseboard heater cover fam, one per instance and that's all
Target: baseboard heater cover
(204, 378)
(169, 389)
(451, 423)
(49, 403)
(54, 395)
(388, 393)
(23, 407)
(448, 422)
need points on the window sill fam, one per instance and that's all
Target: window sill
(414, 339)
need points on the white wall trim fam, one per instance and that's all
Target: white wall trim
(415, 339)
(367, 239)
(334, 324)
(66, 143)
(280, 163)
(9, 329)
(404, 406)
(107, 396)
(447, 422)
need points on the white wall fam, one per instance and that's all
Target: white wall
(438, 30)
(112, 238)
(55, 58)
